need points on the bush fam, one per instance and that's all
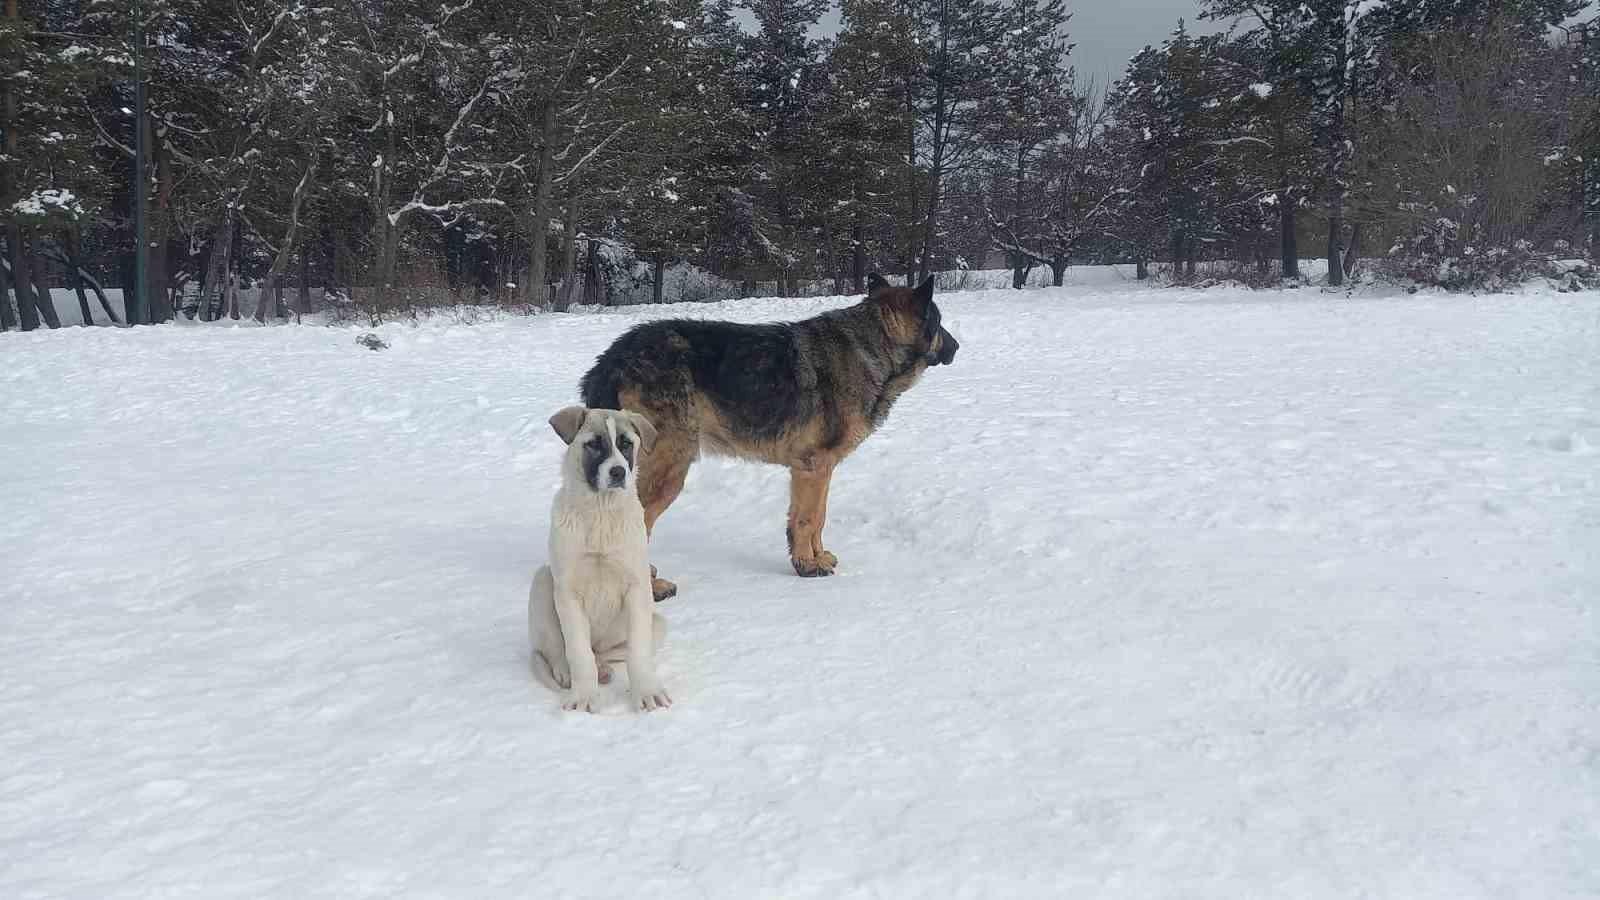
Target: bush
(1437, 257)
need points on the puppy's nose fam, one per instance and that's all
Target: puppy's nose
(618, 474)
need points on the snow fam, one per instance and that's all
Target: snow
(1261, 89)
(1154, 593)
(47, 200)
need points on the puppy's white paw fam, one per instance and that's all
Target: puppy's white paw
(650, 697)
(562, 675)
(577, 700)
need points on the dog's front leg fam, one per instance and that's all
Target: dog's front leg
(808, 508)
(639, 602)
(580, 651)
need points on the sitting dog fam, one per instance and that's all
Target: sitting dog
(592, 606)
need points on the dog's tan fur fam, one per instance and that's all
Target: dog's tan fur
(851, 365)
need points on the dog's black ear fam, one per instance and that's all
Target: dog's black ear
(647, 431)
(924, 292)
(876, 283)
(568, 421)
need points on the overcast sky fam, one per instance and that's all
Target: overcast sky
(1108, 32)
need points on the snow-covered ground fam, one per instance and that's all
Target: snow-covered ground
(1154, 593)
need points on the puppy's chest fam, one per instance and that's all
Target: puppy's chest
(608, 533)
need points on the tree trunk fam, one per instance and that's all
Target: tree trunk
(213, 287)
(26, 310)
(1350, 252)
(941, 77)
(1288, 243)
(69, 258)
(1141, 268)
(1058, 270)
(8, 315)
(658, 271)
(388, 259)
(569, 249)
(591, 275)
(41, 288)
(911, 96)
(1337, 162)
(83, 297)
(1019, 271)
(1335, 225)
(233, 296)
(280, 263)
(100, 295)
(1288, 251)
(302, 304)
(858, 253)
(22, 281)
(157, 275)
(539, 237)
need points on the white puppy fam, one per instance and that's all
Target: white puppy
(592, 606)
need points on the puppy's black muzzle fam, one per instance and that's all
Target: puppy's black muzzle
(618, 476)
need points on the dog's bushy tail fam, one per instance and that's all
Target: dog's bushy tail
(601, 384)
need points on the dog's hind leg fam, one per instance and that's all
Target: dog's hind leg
(544, 633)
(823, 556)
(661, 475)
(617, 653)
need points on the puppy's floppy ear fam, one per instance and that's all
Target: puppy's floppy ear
(568, 421)
(924, 292)
(647, 432)
(875, 283)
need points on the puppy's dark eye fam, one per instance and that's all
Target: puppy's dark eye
(594, 446)
(624, 443)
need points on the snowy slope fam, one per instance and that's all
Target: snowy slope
(1151, 594)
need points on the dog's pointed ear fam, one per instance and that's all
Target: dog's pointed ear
(647, 431)
(568, 421)
(875, 283)
(924, 293)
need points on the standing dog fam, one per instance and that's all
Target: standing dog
(591, 606)
(801, 395)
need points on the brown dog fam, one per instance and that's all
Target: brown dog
(801, 394)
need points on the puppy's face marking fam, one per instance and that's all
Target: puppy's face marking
(608, 457)
(604, 443)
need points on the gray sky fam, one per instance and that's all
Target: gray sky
(1108, 32)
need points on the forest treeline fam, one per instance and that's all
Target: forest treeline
(538, 152)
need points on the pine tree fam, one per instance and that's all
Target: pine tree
(864, 120)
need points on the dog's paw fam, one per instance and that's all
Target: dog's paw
(661, 588)
(604, 673)
(584, 701)
(651, 697)
(827, 559)
(815, 568)
(562, 674)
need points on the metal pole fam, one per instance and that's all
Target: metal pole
(138, 308)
